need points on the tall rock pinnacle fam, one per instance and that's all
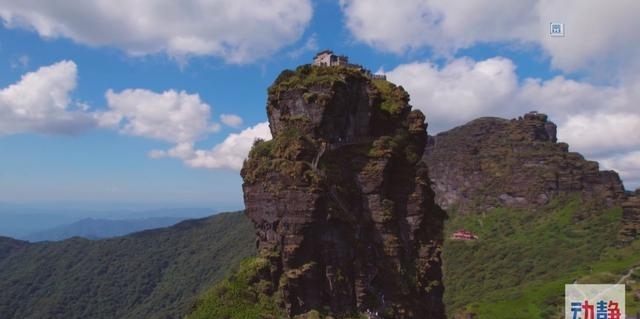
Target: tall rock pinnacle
(341, 203)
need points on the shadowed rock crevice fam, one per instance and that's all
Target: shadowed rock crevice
(340, 200)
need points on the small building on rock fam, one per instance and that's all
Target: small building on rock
(463, 234)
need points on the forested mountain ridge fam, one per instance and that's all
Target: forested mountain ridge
(150, 274)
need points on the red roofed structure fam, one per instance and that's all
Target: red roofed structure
(463, 234)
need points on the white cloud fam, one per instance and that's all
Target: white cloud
(231, 120)
(230, 154)
(442, 24)
(40, 103)
(600, 35)
(238, 31)
(568, 97)
(602, 134)
(180, 118)
(627, 165)
(311, 45)
(171, 116)
(390, 26)
(599, 121)
(459, 91)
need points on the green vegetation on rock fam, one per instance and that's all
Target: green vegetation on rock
(279, 154)
(243, 295)
(394, 99)
(309, 75)
(339, 197)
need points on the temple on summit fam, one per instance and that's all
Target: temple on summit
(328, 58)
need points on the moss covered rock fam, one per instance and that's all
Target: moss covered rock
(493, 162)
(340, 200)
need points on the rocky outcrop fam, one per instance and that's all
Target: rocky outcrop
(341, 203)
(630, 229)
(491, 162)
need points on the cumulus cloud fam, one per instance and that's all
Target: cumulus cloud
(231, 120)
(230, 154)
(599, 121)
(238, 31)
(628, 165)
(441, 24)
(599, 34)
(41, 103)
(171, 116)
(600, 44)
(459, 91)
(182, 119)
(602, 134)
(311, 45)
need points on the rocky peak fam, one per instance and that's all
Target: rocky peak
(537, 125)
(340, 201)
(491, 162)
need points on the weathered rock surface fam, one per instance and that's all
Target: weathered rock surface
(491, 162)
(630, 229)
(341, 203)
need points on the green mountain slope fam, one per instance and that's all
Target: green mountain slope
(151, 274)
(8, 245)
(518, 266)
(544, 217)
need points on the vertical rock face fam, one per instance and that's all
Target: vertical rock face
(492, 162)
(341, 203)
(630, 229)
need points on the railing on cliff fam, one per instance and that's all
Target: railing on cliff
(348, 141)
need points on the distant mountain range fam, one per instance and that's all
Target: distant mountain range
(92, 228)
(150, 274)
(22, 221)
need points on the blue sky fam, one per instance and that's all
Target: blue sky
(159, 101)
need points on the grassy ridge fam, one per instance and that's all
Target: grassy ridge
(243, 295)
(522, 259)
(152, 274)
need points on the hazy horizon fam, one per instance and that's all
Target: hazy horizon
(18, 220)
